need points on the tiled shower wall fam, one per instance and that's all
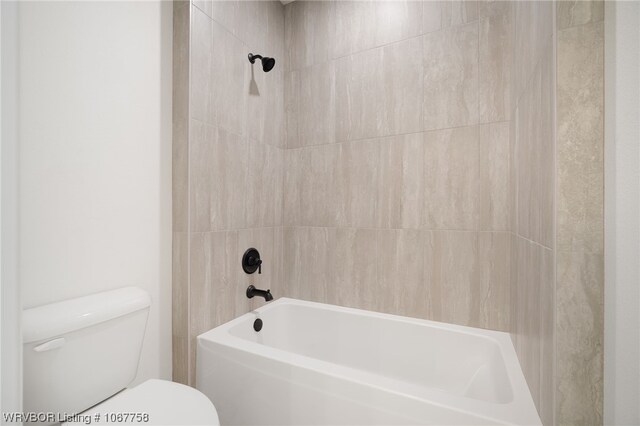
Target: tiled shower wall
(557, 206)
(228, 164)
(397, 157)
(532, 199)
(401, 157)
(580, 212)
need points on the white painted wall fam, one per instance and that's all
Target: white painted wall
(10, 306)
(622, 214)
(95, 157)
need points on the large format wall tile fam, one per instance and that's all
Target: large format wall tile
(265, 106)
(533, 30)
(401, 186)
(494, 86)
(362, 182)
(362, 25)
(309, 33)
(201, 79)
(580, 136)
(451, 184)
(379, 91)
(451, 271)
(438, 15)
(218, 161)
(264, 188)
(580, 223)
(180, 304)
(573, 13)
(451, 77)
(310, 100)
(332, 265)
(400, 268)
(494, 176)
(316, 186)
(491, 298)
(230, 71)
(180, 117)
(580, 337)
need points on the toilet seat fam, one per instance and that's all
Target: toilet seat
(166, 403)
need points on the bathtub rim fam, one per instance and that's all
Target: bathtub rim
(520, 410)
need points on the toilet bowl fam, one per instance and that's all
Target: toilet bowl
(81, 356)
(164, 402)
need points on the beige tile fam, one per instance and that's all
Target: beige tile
(231, 76)
(513, 289)
(451, 77)
(309, 33)
(180, 118)
(438, 15)
(547, 150)
(459, 12)
(180, 311)
(343, 270)
(547, 327)
(494, 71)
(362, 178)
(204, 5)
(311, 106)
(533, 28)
(201, 96)
(265, 106)
(316, 186)
(580, 338)
(256, 23)
(431, 16)
(580, 275)
(513, 175)
(451, 272)
(362, 25)
(494, 176)
(493, 7)
(291, 108)
(397, 20)
(528, 315)
(451, 183)
(218, 178)
(527, 162)
(306, 250)
(378, 92)
(214, 274)
(491, 298)
(580, 103)
(400, 268)
(351, 268)
(355, 27)
(264, 189)
(573, 13)
(213, 284)
(401, 189)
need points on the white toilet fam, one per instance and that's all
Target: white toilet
(80, 353)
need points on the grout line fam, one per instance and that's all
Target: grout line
(377, 138)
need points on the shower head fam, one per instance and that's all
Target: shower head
(267, 63)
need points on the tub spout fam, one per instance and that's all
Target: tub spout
(252, 291)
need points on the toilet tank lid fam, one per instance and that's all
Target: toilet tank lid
(47, 321)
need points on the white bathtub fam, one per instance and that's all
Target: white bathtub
(322, 364)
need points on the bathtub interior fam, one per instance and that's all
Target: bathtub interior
(399, 349)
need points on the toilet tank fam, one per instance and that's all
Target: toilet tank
(80, 352)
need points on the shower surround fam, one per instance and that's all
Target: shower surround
(400, 157)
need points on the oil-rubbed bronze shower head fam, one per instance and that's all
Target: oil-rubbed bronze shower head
(267, 63)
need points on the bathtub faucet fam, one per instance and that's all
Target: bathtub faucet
(252, 291)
